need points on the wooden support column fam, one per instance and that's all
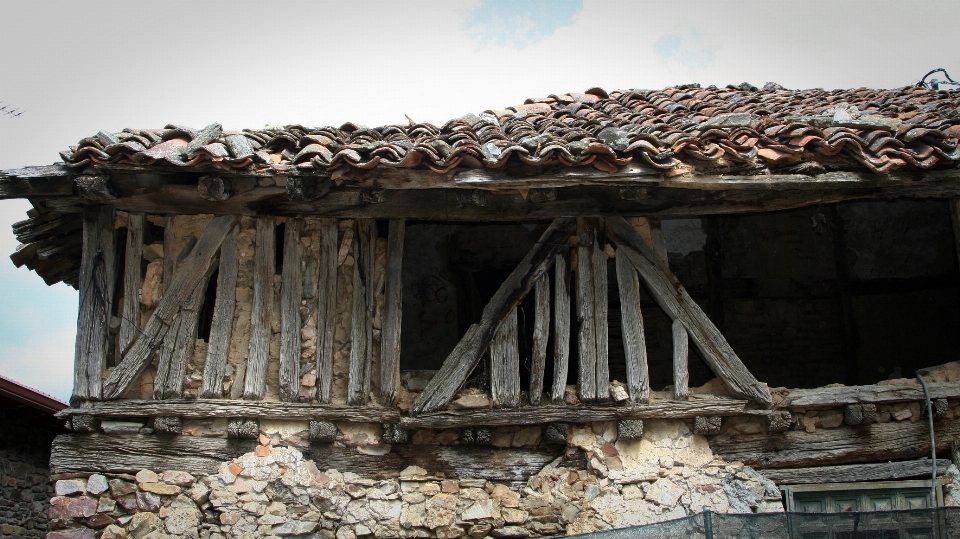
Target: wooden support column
(290, 296)
(541, 335)
(634, 339)
(475, 342)
(170, 256)
(132, 279)
(586, 313)
(678, 304)
(326, 307)
(179, 342)
(358, 384)
(264, 268)
(392, 315)
(681, 369)
(505, 364)
(600, 306)
(221, 327)
(196, 267)
(561, 326)
(97, 270)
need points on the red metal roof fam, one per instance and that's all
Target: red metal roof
(29, 396)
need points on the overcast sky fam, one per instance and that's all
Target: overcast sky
(80, 67)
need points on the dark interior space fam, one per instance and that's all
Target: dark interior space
(852, 293)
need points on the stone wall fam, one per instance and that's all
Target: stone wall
(274, 492)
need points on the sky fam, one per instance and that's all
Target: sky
(76, 68)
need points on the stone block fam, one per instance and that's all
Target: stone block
(97, 484)
(630, 429)
(73, 533)
(243, 428)
(393, 433)
(940, 408)
(707, 425)
(853, 414)
(66, 487)
(85, 423)
(323, 431)
(556, 433)
(779, 421)
(167, 425)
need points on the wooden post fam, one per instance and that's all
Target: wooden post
(561, 325)
(600, 301)
(221, 327)
(130, 310)
(475, 342)
(392, 314)
(97, 269)
(634, 339)
(681, 371)
(541, 335)
(326, 307)
(264, 268)
(678, 304)
(180, 341)
(358, 384)
(505, 364)
(586, 313)
(196, 267)
(290, 296)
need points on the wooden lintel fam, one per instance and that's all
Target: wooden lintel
(207, 408)
(878, 471)
(37, 182)
(835, 397)
(678, 304)
(475, 342)
(194, 269)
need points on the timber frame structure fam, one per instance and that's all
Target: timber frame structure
(602, 169)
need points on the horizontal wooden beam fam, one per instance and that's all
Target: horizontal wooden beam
(99, 453)
(856, 472)
(206, 408)
(533, 415)
(31, 182)
(843, 445)
(834, 397)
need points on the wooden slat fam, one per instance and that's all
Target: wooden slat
(290, 295)
(358, 383)
(600, 301)
(505, 364)
(221, 327)
(833, 397)
(798, 448)
(132, 277)
(264, 268)
(181, 339)
(169, 252)
(195, 268)
(392, 314)
(675, 300)
(541, 336)
(848, 473)
(326, 307)
(561, 326)
(586, 312)
(97, 270)
(681, 370)
(475, 342)
(631, 324)
(42, 181)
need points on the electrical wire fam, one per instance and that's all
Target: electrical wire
(935, 84)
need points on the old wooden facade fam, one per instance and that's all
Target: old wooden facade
(257, 276)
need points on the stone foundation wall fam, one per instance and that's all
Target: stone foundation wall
(274, 492)
(24, 493)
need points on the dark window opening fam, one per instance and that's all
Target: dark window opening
(279, 234)
(205, 319)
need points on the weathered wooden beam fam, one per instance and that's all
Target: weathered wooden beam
(798, 448)
(207, 408)
(364, 284)
(132, 277)
(194, 269)
(631, 324)
(392, 314)
(587, 413)
(471, 347)
(848, 473)
(264, 268)
(505, 364)
(835, 397)
(291, 292)
(561, 326)
(36, 182)
(600, 305)
(586, 312)
(221, 327)
(180, 341)
(681, 370)
(326, 308)
(541, 336)
(675, 300)
(106, 453)
(97, 270)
